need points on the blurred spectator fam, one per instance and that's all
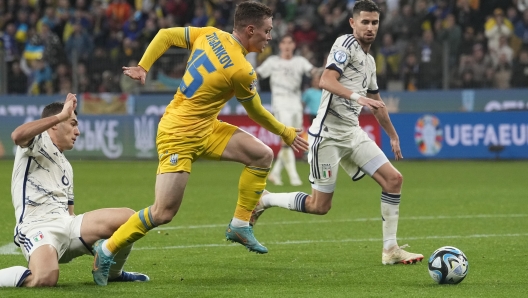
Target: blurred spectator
(117, 13)
(496, 27)
(40, 77)
(129, 51)
(466, 15)
(109, 83)
(468, 80)
(501, 52)
(410, 72)
(62, 72)
(178, 9)
(79, 43)
(467, 42)
(50, 18)
(148, 33)
(83, 79)
(387, 61)
(200, 18)
(53, 48)
(521, 29)
(430, 62)
(502, 73)
(452, 34)
(479, 63)
(304, 34)
(11, 49)
(520, 71)
(17, 81)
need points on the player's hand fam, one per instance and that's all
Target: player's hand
(70, 104)
(395, 144)
(371, 103)
(299, 143)
(136, 73)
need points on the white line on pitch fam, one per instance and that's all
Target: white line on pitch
(336, 241)
(473, 216)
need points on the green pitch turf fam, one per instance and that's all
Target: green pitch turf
(479, 207)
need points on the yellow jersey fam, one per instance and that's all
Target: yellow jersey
(216, 71)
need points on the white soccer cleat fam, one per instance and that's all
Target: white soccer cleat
(400, 256)
(259, 209)
(274, 179)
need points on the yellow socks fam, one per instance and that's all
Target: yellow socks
(250, 187)
(134, 229)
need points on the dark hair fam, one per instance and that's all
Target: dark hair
(365, 5)
(53, 108)
(251, 13)
(287, 36)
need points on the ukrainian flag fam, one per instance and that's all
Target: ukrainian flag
(21, 33)
(33, 52)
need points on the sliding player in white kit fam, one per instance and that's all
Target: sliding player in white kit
(47, 230)
(286, 72)
(335, 137)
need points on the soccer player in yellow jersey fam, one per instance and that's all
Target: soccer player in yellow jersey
(216, 71)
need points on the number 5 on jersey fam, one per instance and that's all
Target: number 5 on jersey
(198, 59)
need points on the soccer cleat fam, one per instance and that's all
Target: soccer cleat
(398, 255)
(276, 180)
(244, 236)
(259, 209)
(130, 276)
(101, 264)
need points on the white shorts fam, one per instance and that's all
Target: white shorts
(62, 233)
(357, 156)
(290, 118)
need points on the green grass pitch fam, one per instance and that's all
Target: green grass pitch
(479, 207)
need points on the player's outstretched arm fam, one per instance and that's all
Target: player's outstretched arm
(164, 39)
(382, 115)
(265, 119)
(24, 134)
(330, 82)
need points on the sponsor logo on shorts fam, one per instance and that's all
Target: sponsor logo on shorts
(326, 168)
(173, 159)
(37, 237)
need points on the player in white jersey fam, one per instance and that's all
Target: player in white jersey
(335, 137)
(47, 230)
(286, 72)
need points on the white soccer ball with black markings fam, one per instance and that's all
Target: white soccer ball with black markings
(448, 265)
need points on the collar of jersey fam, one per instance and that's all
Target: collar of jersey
(244, 51)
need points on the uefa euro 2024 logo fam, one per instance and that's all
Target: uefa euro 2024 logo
(428, 135)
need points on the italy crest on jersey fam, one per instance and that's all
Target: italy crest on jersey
(327, 170)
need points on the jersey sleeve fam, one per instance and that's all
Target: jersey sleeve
(340, 54)
(245, 84)
(373, 86)
(264, 70)
(71, 197)
(182, 37)
(35, 146)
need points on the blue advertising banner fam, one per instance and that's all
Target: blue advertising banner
(102, 137)
(461, 135)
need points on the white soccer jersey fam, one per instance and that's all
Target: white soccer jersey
(336, 115)
(285, 82)
(42, 182)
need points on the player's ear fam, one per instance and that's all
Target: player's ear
(250, 30)
(351, 21)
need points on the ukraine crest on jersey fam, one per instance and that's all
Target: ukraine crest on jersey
(216, 71)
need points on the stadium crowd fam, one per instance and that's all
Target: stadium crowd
(485, 42)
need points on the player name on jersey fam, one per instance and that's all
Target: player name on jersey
(219, 50)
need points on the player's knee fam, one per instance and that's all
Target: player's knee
(395, 180)
(265, 157)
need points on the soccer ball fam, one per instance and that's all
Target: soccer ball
(448, 265)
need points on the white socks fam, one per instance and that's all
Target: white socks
(294, 201)
(390, 212)
(119, 259)
(13, 276)
(238, 223)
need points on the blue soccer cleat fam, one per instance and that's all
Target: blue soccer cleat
(130, 276)
(101, 264)
(244, 236)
